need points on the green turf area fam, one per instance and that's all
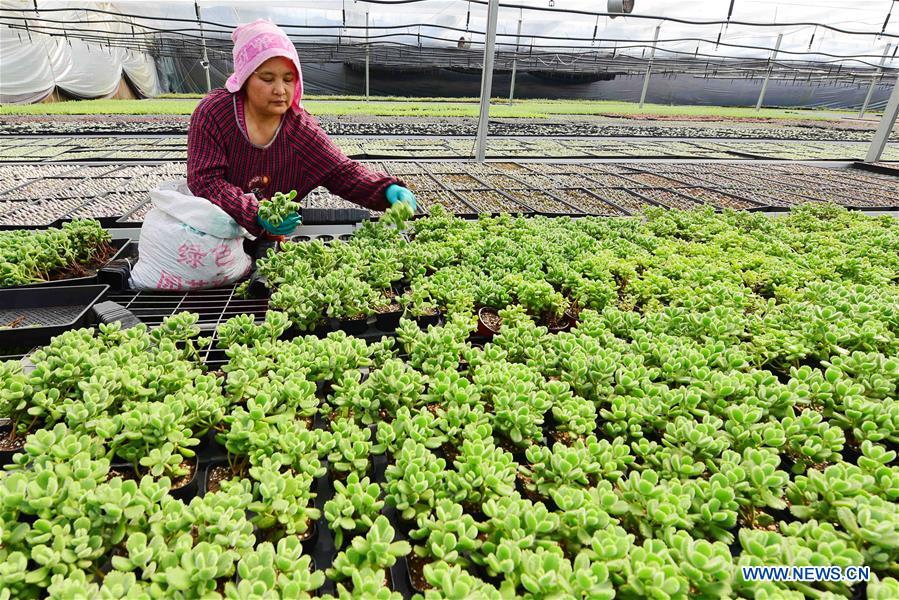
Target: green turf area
(328, 106)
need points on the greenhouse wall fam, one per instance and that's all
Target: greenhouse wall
(334, 78)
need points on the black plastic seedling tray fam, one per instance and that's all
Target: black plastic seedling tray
(121, 251)
(32, 316)
(334, 216)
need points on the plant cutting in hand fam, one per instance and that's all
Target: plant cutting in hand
(278, 207)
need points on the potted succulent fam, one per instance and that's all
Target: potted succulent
(448, 535)
(383, 272)
(420, 305)
(542, 301)
(278, 571)
(355, 506)
(284, 503)
(376, 551)
(348, 299)
(489, 321)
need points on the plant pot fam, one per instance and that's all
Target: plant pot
(187, 487)
(415, 572)
(274, 534)
(9, 447)
(388, 321)
(323, 387)
(404, 526)
(209, 448)
(563, 324)
(489, 322)
(351, 326)
(425, 320)
(563, 437)
(309, 538)
(214, 473)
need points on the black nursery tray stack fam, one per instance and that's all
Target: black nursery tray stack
(32, 316)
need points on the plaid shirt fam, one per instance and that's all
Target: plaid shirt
(221, 161)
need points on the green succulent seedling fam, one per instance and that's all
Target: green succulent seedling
(453, 419)
(883, 589)
(157, 436)
(283, 499)
(591, 578)
(449, 535)
(243, 329)
(368, 584)
(573, 414)
(278, 207)
(453, 582)
(335, 354)
(421, 427)
(376, 551)
(450, 388)
(561, 466)
(355, 506)
(164, 461)
(519, 411)
(715, 507)
(653, 571)
(280, 571)
(397, 215)
(482, 472)
(182, 329)
(301, 302)
(415, 482)
(516, 521)
(539, 298)
(28, 256)
(707, 565)
(197, 571)
(582, 512)
(438, 348)
(73, 585)
(350, 448)
(393, 386)
(545, 572)
(345, 294)
(655, 503)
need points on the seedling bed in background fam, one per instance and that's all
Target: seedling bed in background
(117, 192)
(492, 202)
(543, 202)
(126, 148)
(667, 198)
(592, 203)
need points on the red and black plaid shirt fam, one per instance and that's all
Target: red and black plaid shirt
(221, 161)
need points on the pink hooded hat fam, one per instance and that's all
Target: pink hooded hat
(255, 43)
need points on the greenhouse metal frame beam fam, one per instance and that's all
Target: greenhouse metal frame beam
(652, 55)
(515, 64)
(204, 62)
(887, 122)
(486, 82)
(886, 51)
(758, 105)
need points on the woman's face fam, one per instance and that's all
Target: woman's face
(270, 88)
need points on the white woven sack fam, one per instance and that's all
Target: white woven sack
(188, 243)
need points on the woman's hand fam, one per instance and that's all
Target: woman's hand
(397, 193)
(286, 227)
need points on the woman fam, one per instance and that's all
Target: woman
(253, 138)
